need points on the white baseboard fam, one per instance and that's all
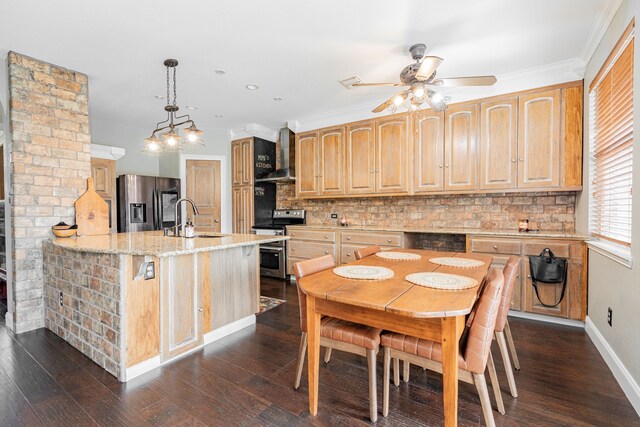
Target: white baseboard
(548, 319)
(620, 372)
(154, 362)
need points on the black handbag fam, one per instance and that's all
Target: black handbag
(547, 268)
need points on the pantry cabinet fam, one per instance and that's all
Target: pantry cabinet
(428, 151)
(360, 154)
(461, 131)
(499, 144)
(392, 155)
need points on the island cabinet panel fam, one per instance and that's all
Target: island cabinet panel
(539, 139)
(499, 144)
(392, 154)
(461, 129)
(331, 161)
(181, 306)
(428, 151)
(360, 153)
(142, 311)
(307, 161)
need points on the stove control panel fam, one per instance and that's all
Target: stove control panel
(290, 213)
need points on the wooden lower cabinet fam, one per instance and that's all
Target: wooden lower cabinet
(573, 305)
(242, 209)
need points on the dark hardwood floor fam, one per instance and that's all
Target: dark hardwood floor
(246, 379)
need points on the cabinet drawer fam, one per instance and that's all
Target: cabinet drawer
(558, 249)
(314, 235)
(496, 246)
(308, 250)
(370, 239)
(347, 252)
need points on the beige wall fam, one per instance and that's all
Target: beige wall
(610, 283)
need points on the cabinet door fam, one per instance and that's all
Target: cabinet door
(332, 161)
(392, 157)
(460, 147)
(236, 162)
(246, 149)
(498, 144)
(360, 152)
(538, 139)
(499, 261)
(103, 172)
(181, 306)
(236, 207)
(307, 164)
(428, 151)
(247, 209)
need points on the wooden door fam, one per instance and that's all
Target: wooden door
(392, 154)
(181, 305)
(360, 154)
(203, 187)
(498, 144)
(246, 150)
(428, 151)
(236, 162)
(331, 151)
(539, 139)
(246, 196)
(307, 164)
(460, 147)
(103, 172)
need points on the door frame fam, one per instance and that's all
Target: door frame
(225, 208)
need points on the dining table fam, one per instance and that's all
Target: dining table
(397, 305)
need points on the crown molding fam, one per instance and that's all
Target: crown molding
(599, 28)
(106, 152)
(531, 78)
(254, 129)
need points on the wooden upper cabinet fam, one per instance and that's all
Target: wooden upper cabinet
(236, 163)
(307, 164)
(103, 172)
(360, 154)
(428, 151)
(498, 144)
(539, 139)
(392, 154)
(246, 149)
(461, 129)
(571, 168)
(331, 161)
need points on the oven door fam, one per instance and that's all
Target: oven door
(272, 261)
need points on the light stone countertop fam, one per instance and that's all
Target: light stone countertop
(468, 231)
(155, 244)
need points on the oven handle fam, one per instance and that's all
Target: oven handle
(271, 249)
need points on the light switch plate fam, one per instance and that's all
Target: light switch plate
(149, 271)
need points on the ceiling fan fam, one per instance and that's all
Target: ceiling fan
(420, 77)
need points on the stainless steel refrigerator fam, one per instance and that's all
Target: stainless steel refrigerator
(146, 202)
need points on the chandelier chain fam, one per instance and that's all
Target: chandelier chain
(174, 87)
(168, 92)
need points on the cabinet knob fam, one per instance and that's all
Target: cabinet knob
(293, 249)
(348, 254)
(521, 159)
(348, 238)
(200, 310)
(495, 247)
(440, 166)
(513, 160)
(326, 253)
(389, 240)
(528, 276)
(326, 237)
(446, 166)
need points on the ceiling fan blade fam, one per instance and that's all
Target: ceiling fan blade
(376, 84)
(428, 66)
(388, 102)
(466, 81)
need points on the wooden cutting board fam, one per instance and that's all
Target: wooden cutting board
(92, 213)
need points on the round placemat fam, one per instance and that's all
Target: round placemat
(398, 256)
(366, 272)
(457, 262)
(441, 281)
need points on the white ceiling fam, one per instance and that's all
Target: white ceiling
(293, 49)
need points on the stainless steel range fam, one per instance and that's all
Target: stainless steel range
(273, 256)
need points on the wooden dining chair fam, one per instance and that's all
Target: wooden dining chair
(337, 333)
(365, 252)
(473, 359)
(510, 272)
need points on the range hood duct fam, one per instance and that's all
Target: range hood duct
(287, 171)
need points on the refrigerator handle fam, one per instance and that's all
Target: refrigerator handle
(155, 210)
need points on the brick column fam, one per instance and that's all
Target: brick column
(50, 149)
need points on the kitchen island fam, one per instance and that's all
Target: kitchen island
(134, 301)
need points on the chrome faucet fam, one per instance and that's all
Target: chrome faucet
(176, 227)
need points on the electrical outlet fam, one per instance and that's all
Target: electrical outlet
(334, 216)
(150, 271)
(610, 316)
(60, 298)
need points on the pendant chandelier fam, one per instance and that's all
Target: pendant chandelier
(167, 136)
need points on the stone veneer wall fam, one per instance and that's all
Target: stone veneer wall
(546, 211)
(92, 328)
(50, 148)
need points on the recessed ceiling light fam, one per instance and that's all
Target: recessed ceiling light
(277, 98)
(220, 72)
(190, 107)
(159, 97)
(252, 87)
(219, 115)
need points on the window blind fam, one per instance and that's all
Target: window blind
(611, 144)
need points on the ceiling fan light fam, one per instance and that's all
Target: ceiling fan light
(398, 99)
(418, 91)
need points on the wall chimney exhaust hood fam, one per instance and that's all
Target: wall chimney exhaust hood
(287, 171)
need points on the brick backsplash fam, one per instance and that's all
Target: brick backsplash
(89, 317)
(548, 211)
(51, 155)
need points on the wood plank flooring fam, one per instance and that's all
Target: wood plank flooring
(246, 380)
